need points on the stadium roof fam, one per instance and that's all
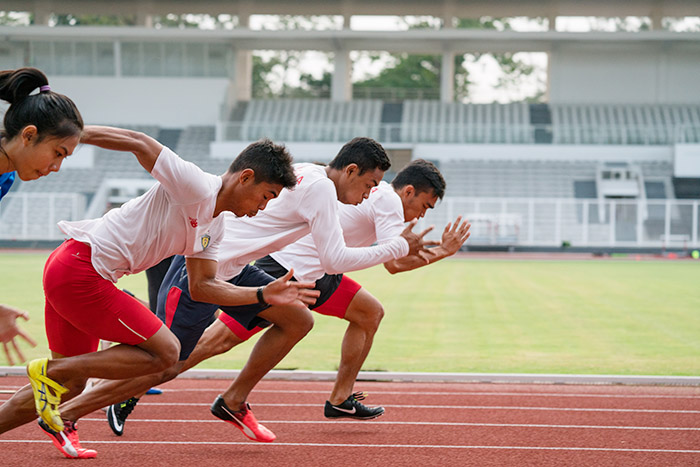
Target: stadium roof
(439, 8)
(414, 41)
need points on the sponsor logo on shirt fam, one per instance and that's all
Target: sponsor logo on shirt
(301, 177)
(205, 241)
(193, 222)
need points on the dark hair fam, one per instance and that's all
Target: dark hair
(365, 152)
(53, 114)
(423, 175)
(271, 163)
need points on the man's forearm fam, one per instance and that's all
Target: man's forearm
(408, 263)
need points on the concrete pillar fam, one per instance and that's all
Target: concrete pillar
(143, 15)
(447, 77)
(341, 82)
(241, 88)
(42, 13)
(656, 16)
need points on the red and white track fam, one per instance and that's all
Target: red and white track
(446, 424)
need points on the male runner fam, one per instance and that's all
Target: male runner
(181, 214)
(414, 190)
(310, 208)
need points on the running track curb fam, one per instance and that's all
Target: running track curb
(300, 375)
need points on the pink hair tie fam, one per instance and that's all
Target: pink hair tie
(44, 88)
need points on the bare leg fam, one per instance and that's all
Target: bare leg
(217, 339)
(118, 362)
(290, 325)
(108, 392)
(364, 315)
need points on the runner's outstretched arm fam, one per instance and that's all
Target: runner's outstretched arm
(145, 148)
(453, 237)
(205, 287)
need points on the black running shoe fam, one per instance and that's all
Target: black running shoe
(117, 413)
(352, 408)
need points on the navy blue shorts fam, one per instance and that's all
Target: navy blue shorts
(188, 319)
(327, 285)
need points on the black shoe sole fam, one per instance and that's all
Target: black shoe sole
(353, 417)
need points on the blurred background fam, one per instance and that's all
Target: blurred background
(559, 125)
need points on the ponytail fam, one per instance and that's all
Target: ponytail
(53, 114)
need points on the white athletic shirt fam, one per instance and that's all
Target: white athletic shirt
(378, 219)
(311, 208)
(174, 217)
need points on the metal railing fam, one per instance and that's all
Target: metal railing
(532, 222)
(556, 222)
(33, 216)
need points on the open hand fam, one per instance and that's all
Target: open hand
(454, 236)
(285, 291)
(415, 241)
(9, 330)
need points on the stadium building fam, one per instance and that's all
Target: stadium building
(609, 160)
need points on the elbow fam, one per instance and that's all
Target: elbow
(141, 141)
(197, 291)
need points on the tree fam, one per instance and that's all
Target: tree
(411, 72)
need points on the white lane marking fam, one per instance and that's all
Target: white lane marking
(400, 446)
(460, 393)
(456, 424)
(453, 407)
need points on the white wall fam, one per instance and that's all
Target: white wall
(324, 152)
(687, 160)
(166, 102)
(635, 74)
(300, 151)
(597, 152)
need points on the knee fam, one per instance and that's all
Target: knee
(302, 323)
(370, 318)
(378, 315)
(374, 317)
(306, 323)
(169, 354)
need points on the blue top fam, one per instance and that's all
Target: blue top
(6, 181)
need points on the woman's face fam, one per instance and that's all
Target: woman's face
(34, 160)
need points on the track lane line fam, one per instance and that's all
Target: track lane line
(398, 446)
(399, 423)
(449, 407)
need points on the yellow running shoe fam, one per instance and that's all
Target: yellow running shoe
(45, 401)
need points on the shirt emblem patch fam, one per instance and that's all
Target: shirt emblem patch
(205, 241)
(193, 222)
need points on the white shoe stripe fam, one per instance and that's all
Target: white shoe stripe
(67, 445)
(115, 419)
(244, 427)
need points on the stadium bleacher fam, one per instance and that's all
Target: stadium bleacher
(501, 180)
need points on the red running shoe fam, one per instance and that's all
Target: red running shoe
(243, 419)
(67, 441)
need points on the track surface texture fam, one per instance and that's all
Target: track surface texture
(430, 424)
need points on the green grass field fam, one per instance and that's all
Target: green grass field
(491, 316)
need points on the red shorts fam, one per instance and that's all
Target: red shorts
(82, 307)
(336, 305)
